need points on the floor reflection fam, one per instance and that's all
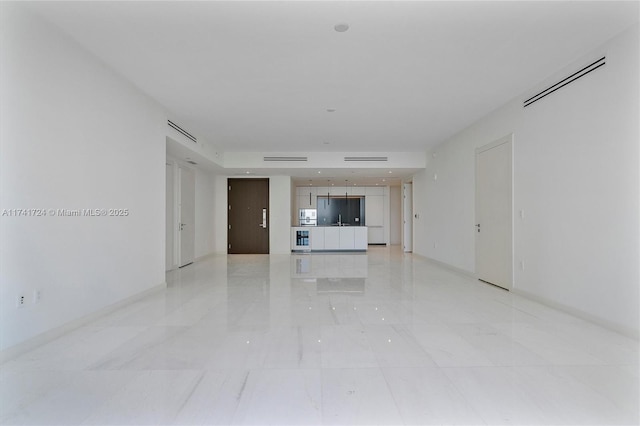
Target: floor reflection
(330, 265)
(340, 285)
(248, 292)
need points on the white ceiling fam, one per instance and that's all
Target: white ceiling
(260, 76)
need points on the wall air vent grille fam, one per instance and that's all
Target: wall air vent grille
(284, 158)
(573, 77)
(366, 158)
(181, 131)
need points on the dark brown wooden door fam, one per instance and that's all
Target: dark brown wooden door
(248, 216)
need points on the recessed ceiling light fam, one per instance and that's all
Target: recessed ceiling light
(384, 180)
(390, 171)
(325, 143)
(341, 28)
(331, 110)
(248, 172)
(319, 171)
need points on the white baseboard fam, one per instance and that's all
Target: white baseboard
(43, 338)
(205, 256)
(447, 266)
(197, 259)
(626, 331)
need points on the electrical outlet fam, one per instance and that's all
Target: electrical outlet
(37, 295)
(20, 301)
(522, 265)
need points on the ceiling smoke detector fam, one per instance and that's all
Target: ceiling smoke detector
(341, 28)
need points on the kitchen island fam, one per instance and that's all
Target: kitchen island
(328, 238)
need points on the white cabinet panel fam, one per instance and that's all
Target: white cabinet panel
(376, 235)
(339, 190)
(332, 238)
(374, 210)
(305, 190)
(317, 238)
(322, 190)
(375, 190)
(358, 190)
(306, 202)
(360, 238)
(347, 238)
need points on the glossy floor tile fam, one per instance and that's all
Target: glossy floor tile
(381, 338)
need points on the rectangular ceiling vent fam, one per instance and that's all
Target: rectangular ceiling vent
(366, 158)
(284, 158)
(573, 77)
(181, 131)
(192, 162)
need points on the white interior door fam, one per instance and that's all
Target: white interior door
(494, 207)
(187, 209)
(170, 219)
(407, 219)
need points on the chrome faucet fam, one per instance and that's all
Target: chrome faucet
(339, 219)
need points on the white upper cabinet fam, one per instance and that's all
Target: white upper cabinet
(374, 210)
(374, 190)
(339, 190)
(306, 201)
(358, 190)
(305, 190)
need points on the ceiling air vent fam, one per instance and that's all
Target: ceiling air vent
(284, 158)
(573, 77)
(192, 162)
(181, 131)
(366, 158)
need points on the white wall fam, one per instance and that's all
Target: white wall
(280, 214)
(220, 206)
(74, 135)
(205, 225)
(576, 161)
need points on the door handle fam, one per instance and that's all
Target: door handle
(264, 219)
(478, 226)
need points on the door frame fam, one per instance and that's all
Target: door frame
(181, 169)
(171, 218)
(510, 274)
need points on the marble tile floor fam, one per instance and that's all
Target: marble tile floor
(381, 338)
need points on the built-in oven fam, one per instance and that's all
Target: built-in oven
(308, 217)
